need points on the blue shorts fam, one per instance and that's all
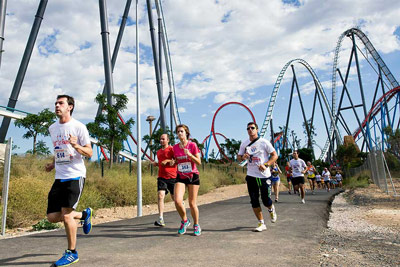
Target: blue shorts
(274, 180)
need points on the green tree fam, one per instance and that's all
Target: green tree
(212, 154)
(393, 139)
(199, 145)
(295, 140)
(36, 124)
(349, 156)
(108, 128)
(306, 154)
(284, 156)
(320, 165)
(231, 147)
(41, 149)
(156, 135)
(291, 137)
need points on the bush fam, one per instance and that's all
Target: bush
(27, 199)
(361, 180)
(44, 224)
(392, 162)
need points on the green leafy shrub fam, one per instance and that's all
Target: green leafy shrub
(44, 224)
(361, 180)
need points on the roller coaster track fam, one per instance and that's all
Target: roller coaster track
(377, 58)
(376, 108)
(275, 91)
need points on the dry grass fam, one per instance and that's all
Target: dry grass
(30, 184)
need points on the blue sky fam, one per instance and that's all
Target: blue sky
(234, 53)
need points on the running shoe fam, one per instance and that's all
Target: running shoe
(260, 227)
(160, 222)
(197, 230)
(87, 222)
(303, 201)
(184, 226)
(67, 258)
(273, 215)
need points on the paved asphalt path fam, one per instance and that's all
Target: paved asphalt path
(227, 239)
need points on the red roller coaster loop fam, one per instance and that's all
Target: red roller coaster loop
(213, 121)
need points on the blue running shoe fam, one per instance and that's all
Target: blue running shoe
(197, 230)
(67, 258)
(87, 222)
(184, 226)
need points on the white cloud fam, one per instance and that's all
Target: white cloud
(225, 59)
(259, 101)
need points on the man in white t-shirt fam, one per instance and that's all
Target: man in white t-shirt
(327, 179)
(71, 143)
(339, 179)
(299, 168)
(260, 155)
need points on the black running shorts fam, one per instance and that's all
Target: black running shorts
(65, 194)
(167, 185)
(195, 180)
(298, 180)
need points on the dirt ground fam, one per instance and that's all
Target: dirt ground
(363, 229)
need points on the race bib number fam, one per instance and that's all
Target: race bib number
(62, 156)
(185, 167)
(252, 150)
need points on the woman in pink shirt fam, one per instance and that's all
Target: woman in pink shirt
(187, 155)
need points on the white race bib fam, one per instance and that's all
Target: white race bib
(185, 167)
(62, 156)
(252, 150)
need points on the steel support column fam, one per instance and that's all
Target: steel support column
(156, 65)
(309, 144)
(117, 46)
(106, 51)
(383, 92)
(3, 8)
(288, 116)
(12, 102)
(168, 65)
(361, 89)
(354, 110)
(325, 123)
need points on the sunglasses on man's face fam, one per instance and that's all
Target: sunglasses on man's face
(251, 128)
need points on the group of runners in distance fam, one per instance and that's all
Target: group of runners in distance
(177, 171)
(325, 180)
